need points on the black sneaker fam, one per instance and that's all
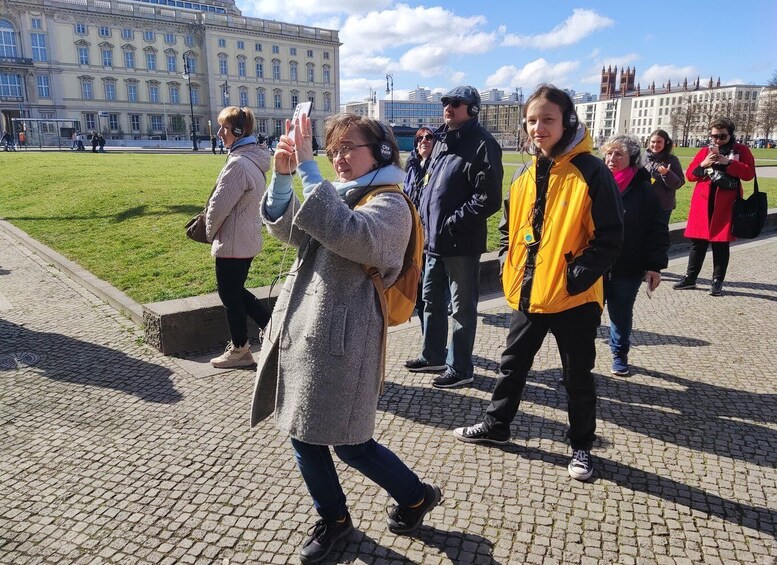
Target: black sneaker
(422, 366)
(716, 289)
(479, 433)
(685, 283)
(450, 379)
(580, 467)
(323, 537)
(403, 520)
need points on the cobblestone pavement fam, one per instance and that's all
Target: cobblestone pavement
(113, 453)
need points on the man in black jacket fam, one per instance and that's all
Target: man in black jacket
(463, 188)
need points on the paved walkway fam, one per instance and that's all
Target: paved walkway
(112, 453)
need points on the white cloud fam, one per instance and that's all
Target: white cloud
(530, 75)
(661, 73)
(595, 53)
(458, 78)
(575, 28)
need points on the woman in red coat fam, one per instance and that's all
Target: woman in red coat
(709, 220)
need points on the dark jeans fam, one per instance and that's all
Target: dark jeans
(575, 333)
(620, 292)
(371, 459)
(720, 256)
(453, 280)
(231, 275)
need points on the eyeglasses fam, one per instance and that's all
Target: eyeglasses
(453, 103)
(427, 137)
(720, 136)
(343, 151)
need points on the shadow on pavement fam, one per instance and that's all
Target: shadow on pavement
(459, 547)
(630, 478)
(69, 360)
(643, 338)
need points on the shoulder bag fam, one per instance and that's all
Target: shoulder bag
(749, 215)
(195, 228)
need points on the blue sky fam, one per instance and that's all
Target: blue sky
(501, 44)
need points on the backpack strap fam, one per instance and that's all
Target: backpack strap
(374, 274)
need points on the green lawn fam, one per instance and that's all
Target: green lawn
(121, 215)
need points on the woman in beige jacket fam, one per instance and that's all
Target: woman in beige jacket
(233, 224)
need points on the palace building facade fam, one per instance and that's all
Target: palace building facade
(140, 69)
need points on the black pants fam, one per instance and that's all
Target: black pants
(231, 275)
(720, 256)
(575, 333)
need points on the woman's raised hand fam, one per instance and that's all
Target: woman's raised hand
(285, 156)
(303, 138)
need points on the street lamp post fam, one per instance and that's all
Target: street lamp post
(188, 77)
(390, 88)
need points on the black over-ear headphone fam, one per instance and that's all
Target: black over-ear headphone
(568, 120)
(382, 150)
(237, 129)
(473, 109)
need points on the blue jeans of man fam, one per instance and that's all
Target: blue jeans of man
(620, 293)
(575, 333)
(461, 277)
(377, 463)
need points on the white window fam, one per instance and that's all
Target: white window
(169, 38)
(257, 46)
(37, 23)
(172, 64)
(175, 94)
(156, 122)
(83, 55)
(260, 98)
(132, 92)
(293, 51)
(293, 71)
(148, 35)
(222, 42)
(276, 69)
(113, 121)
(310, 53)
(277, 100)
(195, 95)
(129, 59)
(260, 68)
(151, 61)
(39, 52)
(188, 40)
(81, 29)
(135, 122)
(223, 66)
(107, 58)
(86, 90)
(105, 31)
(153, 93)
(276, 49)
(44, 88)
(241, 44)
(241, 68)
(243, 98)
(191, 64)
(110, 91)
(126, 33)
(89, 119)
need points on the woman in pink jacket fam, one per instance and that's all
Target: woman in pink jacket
(718, 171)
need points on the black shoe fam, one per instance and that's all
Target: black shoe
(323, 537)
(450, 379)
(716, 289)
(403, 520)
(422, 366)
(479, 433)
(685, 283)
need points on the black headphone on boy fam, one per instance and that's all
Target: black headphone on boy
(237, 129)
(382, 150)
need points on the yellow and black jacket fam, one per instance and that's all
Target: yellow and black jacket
(561, 231)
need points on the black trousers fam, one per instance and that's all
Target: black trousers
(231, 275)
(720, 256)
(575, 333)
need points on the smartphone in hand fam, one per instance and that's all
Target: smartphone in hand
(302, 108)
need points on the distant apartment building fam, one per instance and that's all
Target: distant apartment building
(684, 110)
(118, 66)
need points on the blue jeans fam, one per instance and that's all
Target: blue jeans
(620, 292)
(371, 459)
(461, 277)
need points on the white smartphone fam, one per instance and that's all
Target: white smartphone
(302, 107)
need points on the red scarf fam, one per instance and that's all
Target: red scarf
(623, 177)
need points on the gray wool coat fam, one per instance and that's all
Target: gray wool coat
(319, 368)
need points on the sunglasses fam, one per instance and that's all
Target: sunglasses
(454, 103)
(720, 136)
(427, 137)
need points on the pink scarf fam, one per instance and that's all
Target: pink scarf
(623, 177)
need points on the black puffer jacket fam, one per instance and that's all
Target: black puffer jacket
(465, 188)
(646, 234)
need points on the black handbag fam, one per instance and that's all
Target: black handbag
(749, 215)
(195, 228)
(724, 181)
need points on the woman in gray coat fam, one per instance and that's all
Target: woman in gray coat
(320, 367)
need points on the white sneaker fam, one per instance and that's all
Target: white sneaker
(234, 357)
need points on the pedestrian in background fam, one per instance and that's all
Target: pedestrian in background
(718, 171)
(233, 224)
(416, 167)
(665, 170)
(464, 188)
(95, 141)
(561, 230)
(213, 143)
(645, 243)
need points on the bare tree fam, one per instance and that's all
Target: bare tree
(682, 118)
(767, 107)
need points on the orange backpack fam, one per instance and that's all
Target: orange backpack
(398, 301)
